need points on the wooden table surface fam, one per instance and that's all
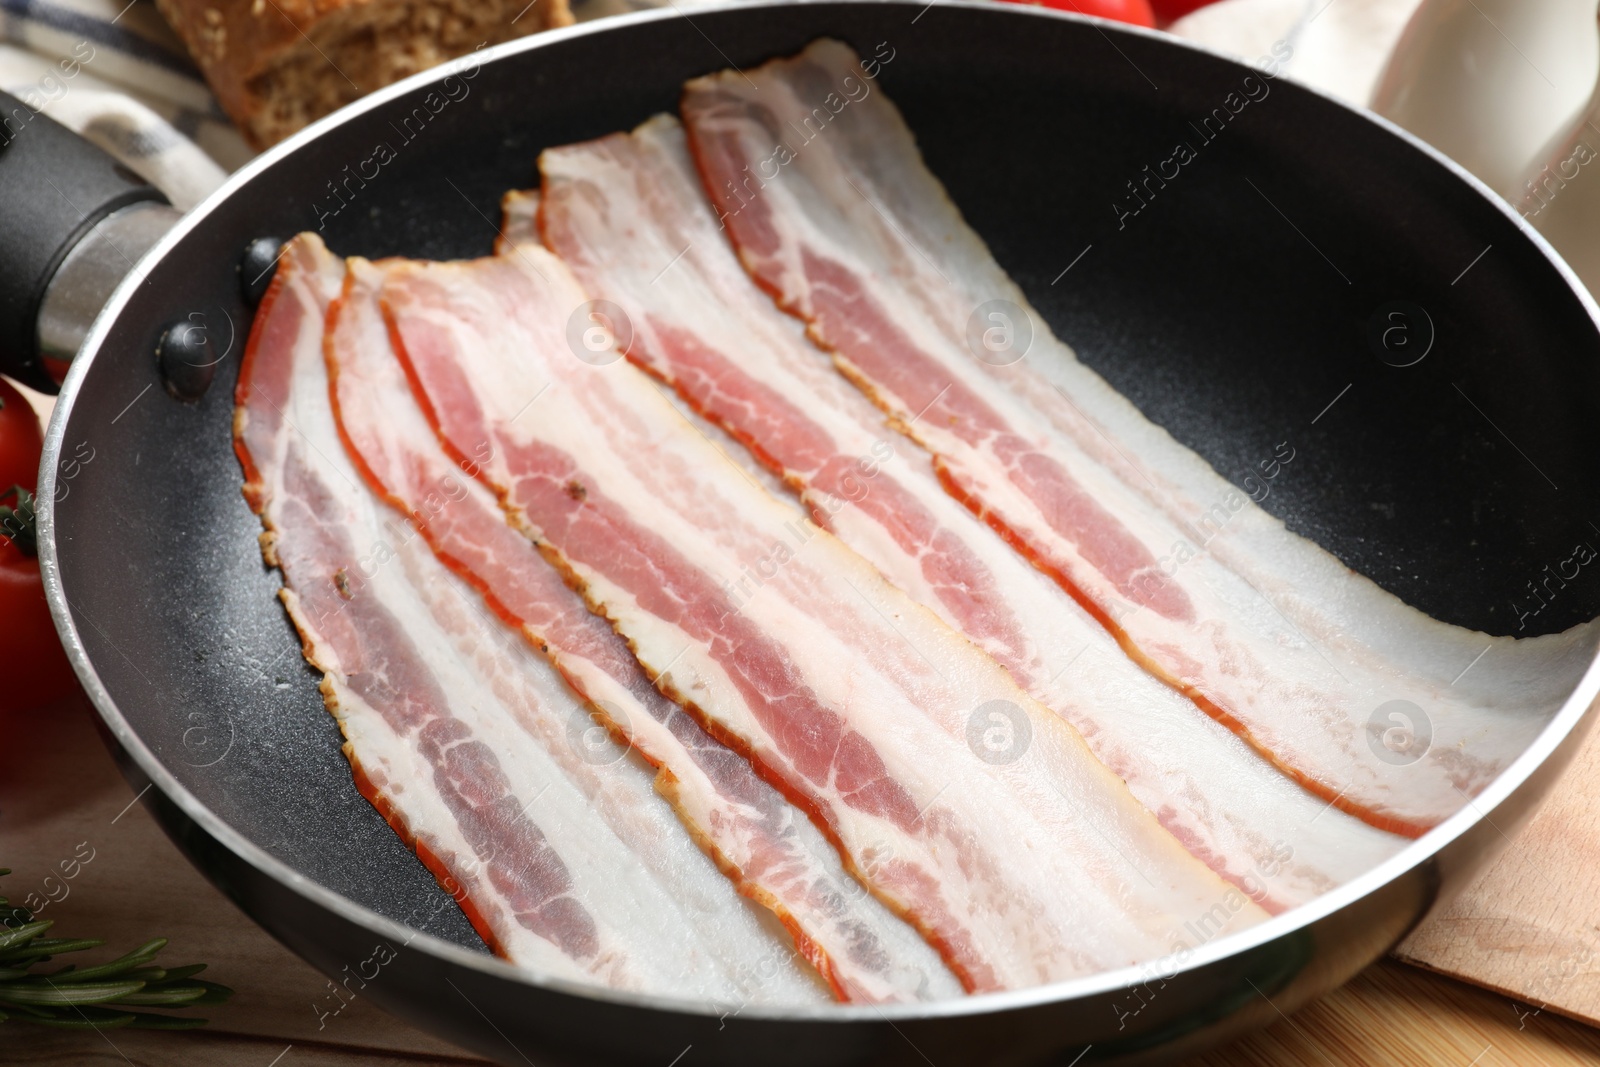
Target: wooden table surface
(60, 794)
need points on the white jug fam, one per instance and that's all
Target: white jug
(1491, 82)
(1561, 194)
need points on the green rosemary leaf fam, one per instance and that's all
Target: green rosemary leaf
(175, 997)
(90, 1018)
(138, 957)
(22, 935)
(215, 993)
(63, 944)
(42, 949)
(150, 976)
(42, 992)
(31, 1012)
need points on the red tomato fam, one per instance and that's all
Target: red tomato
(1135, 11)
(20, 440)
(33, 667)
(1172, 10)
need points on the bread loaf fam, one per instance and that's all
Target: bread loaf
(276, 65)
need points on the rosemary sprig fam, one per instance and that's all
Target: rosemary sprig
(93, 998)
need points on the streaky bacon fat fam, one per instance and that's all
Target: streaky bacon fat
(1026, 868)
(457, 731)
(762, 841)
(824, 194)
(620, 208)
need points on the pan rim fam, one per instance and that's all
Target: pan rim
(1567, 719)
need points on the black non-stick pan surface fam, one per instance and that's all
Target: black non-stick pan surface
(1237, 308)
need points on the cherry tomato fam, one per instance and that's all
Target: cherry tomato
(1172, 10)
(1135, 11)
(33, 667)
(20, 440)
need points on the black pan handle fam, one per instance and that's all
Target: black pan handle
(55, 187)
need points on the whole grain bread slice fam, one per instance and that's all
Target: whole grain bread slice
(276, 65)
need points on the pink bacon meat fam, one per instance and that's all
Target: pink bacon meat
(456, 731)
(616, 210)
(822, 191)
(763, 842)
(853, 699)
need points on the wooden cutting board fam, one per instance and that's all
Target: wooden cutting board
(1529, 926)
(62, 797)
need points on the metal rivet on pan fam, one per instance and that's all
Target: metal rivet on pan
(186, 358)
(256, 267)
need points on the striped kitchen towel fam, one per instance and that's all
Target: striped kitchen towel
(112, 71)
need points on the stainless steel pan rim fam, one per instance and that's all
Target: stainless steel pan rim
(1567, 719)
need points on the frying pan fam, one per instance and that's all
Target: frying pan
(1246, 303)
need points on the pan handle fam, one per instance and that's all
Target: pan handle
(73, 221)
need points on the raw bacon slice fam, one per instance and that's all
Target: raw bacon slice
(518, 228)
(1031, 864)
(456, 730)
(616, 210)
(826, 198)
(516, 223)
(1342, 611)
(763, 842)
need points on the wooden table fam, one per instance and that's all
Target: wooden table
(59, 790)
